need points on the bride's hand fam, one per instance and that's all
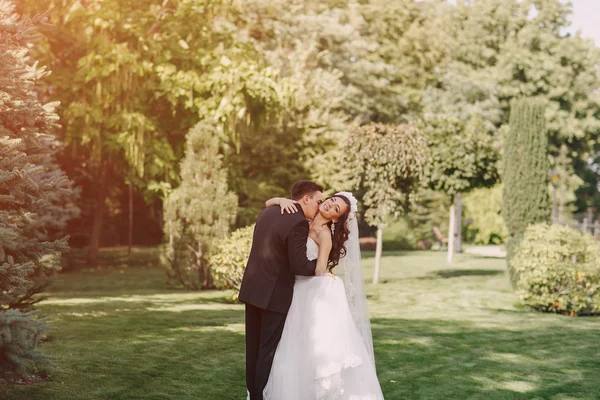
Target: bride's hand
(288, 206)
(329, 274)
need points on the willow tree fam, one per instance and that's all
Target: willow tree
(388, 163)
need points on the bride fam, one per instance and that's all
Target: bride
(326, 349)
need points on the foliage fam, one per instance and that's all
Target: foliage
(389, 163)
(286, 80)
(199, 212)
(521, 45)
(558, 270)
(483, 208)
(520, 49)
(567, 186)
(400, 51)
(31, 188)
(300, 137)
(114, 117)
(463, 155)
(230, 257)
(398, 235)
(525, 199)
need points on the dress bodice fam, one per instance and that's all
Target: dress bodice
(312, 253)
(312, 249)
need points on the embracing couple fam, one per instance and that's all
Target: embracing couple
(308, 334)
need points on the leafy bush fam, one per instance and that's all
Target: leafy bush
(398, 235)
(483, 207)
(230, 257)
(557, 270)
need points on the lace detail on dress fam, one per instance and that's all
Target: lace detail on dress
(329, 381)
(312, 253)
(312, 249)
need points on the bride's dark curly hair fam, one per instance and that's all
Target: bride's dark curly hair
(339, 237)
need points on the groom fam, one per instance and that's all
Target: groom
(278, 254)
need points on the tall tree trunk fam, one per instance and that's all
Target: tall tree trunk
(378, 251)
(451, 229)
(130, 236)
(98, 217)
(458, 224)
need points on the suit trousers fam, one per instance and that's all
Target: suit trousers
(263, 333)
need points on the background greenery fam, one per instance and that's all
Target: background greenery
(287, 81)
(175, 120)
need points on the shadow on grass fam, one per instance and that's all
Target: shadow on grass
(199, 354)
(485, 257)
(142, 257)
(456, 273)
(435, 359)
(388, 253)
(144, 355)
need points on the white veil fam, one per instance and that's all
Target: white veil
(355, 286)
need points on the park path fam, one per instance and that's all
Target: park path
(487, 251)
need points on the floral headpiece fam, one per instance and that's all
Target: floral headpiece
(353, 203)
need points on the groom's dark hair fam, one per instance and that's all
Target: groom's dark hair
(303, 188)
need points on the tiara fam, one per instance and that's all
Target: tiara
(353, 203)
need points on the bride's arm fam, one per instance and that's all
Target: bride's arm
(324, 250)
(286, 205)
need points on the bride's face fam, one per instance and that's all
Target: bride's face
(333, 208)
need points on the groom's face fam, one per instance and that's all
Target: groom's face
(311, 204)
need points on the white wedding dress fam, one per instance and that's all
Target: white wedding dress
(322, 354)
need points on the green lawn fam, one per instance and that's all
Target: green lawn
(440, 332)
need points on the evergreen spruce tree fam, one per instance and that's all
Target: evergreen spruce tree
(199, 212)
(525, 198)
(28, 189)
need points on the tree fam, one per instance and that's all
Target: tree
(104, 75)
(520, 47)
(306, 120)
(27, 193)
(461, 115)
(463, 158)
(199, 212)
(525, 198)
(407, 51)
(388, 163)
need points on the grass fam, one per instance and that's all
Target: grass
(440, 332)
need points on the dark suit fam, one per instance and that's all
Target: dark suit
(278, 254)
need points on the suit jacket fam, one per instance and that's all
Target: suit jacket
(278, 254)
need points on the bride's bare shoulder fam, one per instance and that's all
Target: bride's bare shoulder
(324, 235)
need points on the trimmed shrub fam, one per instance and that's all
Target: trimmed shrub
(230, 257)
(199, 212)
(525, 196)
(557, 270)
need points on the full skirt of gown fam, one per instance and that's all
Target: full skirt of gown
(321, 354)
